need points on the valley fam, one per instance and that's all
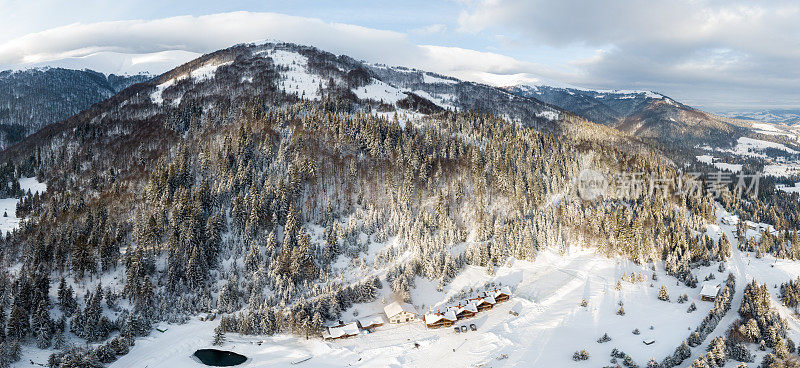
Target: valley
(273, 203)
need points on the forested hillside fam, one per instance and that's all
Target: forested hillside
(259, 181)
(31, 99)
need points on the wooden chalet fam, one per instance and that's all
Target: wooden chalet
(484, 303)
(708, 292)
(466, 310)
(369, 323)
(438, 320)
(342, 332)
(500, 295)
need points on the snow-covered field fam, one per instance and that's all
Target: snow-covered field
(708, 159)
(789, 189)
(9, 220)
(755, 148)
(549, 326)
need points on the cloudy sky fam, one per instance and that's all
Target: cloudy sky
(718, 55)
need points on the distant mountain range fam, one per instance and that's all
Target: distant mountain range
(281, 187)
(785, 116)
(641, 113)
(31, 99)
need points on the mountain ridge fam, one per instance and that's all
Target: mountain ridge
(644, 114)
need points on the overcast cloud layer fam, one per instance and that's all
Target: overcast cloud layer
(82, 42)
(714, 54)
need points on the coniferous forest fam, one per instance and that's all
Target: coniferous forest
(246, 199)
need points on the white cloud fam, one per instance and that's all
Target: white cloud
(704, 51)
(429, 30)
(200, 34)
(132, 46)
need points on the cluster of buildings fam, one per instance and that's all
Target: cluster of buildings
(395, 313)
(466, 308)
(399, 312)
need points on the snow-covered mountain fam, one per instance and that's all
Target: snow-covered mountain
(117, 63)
(783, 116)
(312, 74)
(33, 98)
(641, 113)
(264, 197)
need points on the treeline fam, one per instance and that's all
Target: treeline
(279, 213)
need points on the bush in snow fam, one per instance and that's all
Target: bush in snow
(740, 353)
(621, 311)
(682, 352)
(584, 303)
(604, 338)
(636, 331)
(663, 294)
(718, 351)
(692, 308)
(75, 358)
(219, 336)
(9, 352)
(580, 355)
(628, 362)
(626, 359)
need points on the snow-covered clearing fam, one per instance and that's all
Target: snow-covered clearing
(780, 170)
(379, 91)
(200, 74)
(8, 206)
(789, 189)
(428, 78)
(549, 327)
(297, 80)
(549, 115)
(708, 159)
(751, 147)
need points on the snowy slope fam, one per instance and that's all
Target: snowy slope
(550, 325)
(8, 206)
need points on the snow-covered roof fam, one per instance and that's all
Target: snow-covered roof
(485, 299)
(371, 320)
(346, 330)
(396, 308)
(497, 292)
(458, 309)
(709, 289)
(732, 219)
(432, 318)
